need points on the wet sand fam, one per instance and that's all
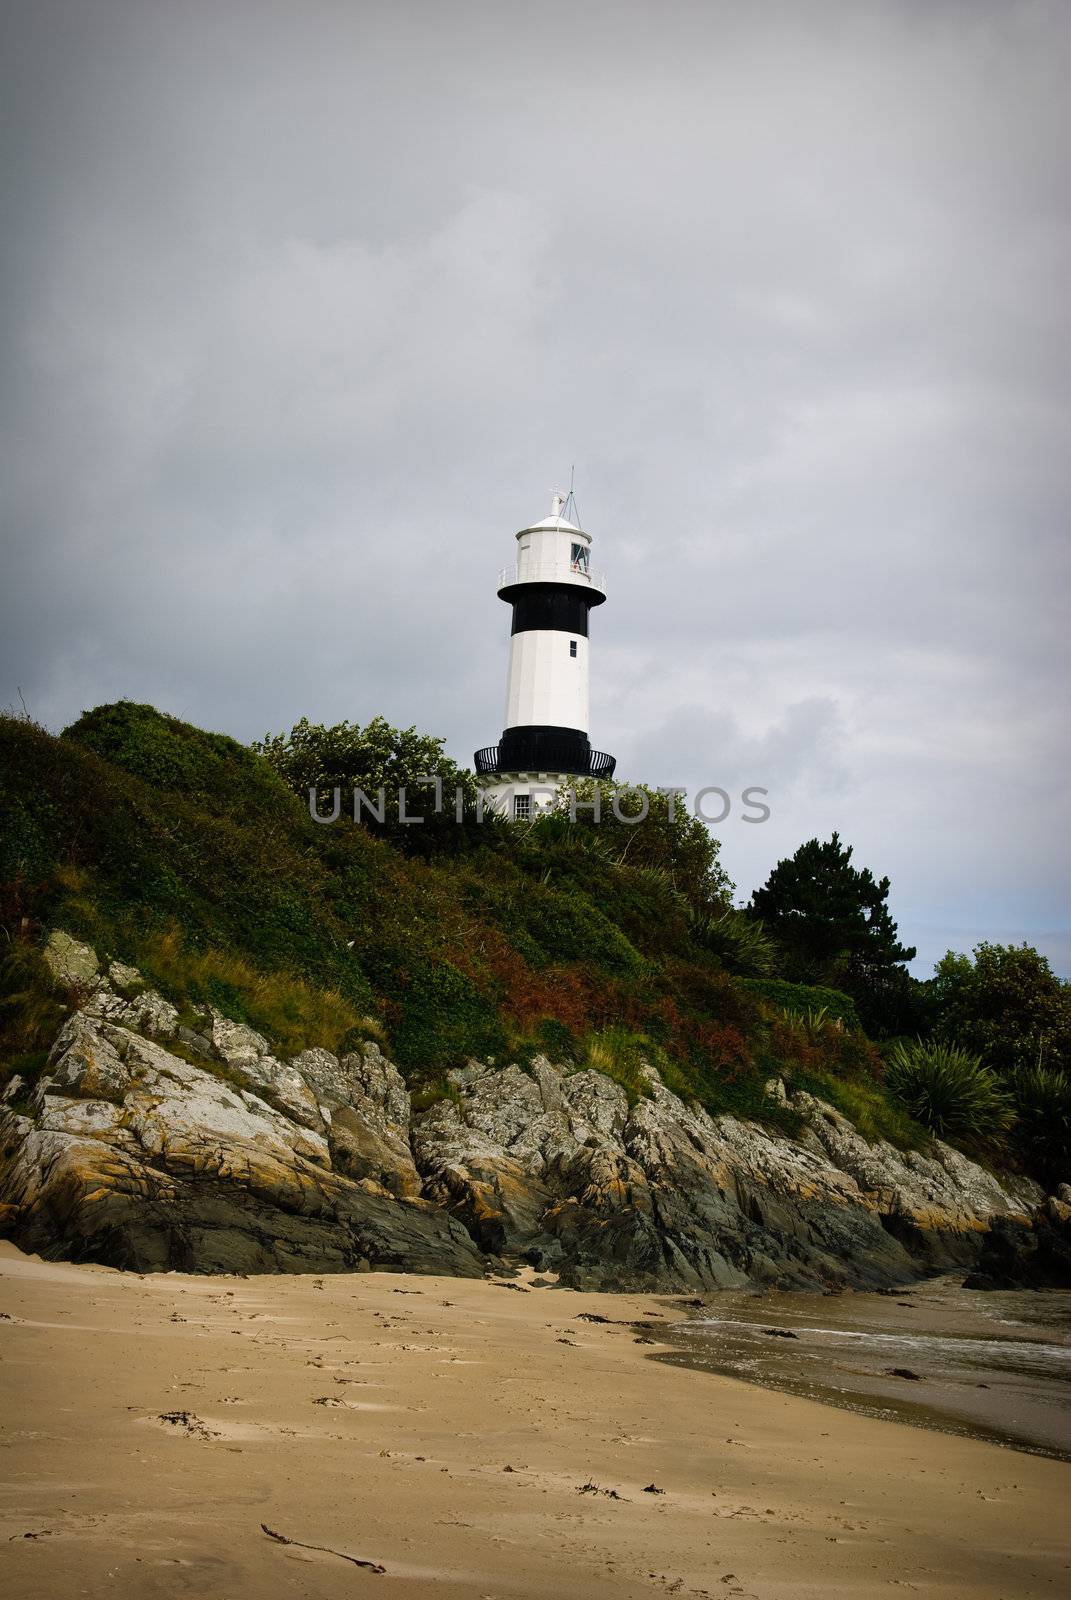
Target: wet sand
(994, 1366)
(469, 1439)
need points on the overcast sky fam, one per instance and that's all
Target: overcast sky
(308, 307)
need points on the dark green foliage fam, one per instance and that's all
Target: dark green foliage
(440, 1017)
(739, 941)
(569, 927)
(741, 1094)
(189, 856)
(1007, 1005)
(32, 1008)
(804, 997)
(832, 923)
(87, 846)
(949, 1091)
(1042, 1097)
(557, 1041)
(669, 839)
(347, 757)
(220, 775)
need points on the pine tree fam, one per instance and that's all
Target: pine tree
(833, 925)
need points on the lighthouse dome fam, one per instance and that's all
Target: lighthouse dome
(555, 523)
(553, 551)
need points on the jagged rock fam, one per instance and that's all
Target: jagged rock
(1027, 1255)
(126, 1153)
(72, 962)
(284, 1086)
(381, 1082)
(597, 1106)
(363, 1079)
(502, 1104)
(938, 1201)
(85, 1062)
(134, 1157)
(236, 1044)
(147, 1011)
(360, 1150)
(197, 1042)
(558, 1168)
(472, 1176)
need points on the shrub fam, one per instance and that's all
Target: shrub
(1007, 1004)
(1043, 1132)
(442, 1019)
(32, 1009)
(804, 997)
(949, 1091)
(739, 942)
(567, 926)
(556, 1040)
(220, 774)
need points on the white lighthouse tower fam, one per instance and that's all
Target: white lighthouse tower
(552, 589)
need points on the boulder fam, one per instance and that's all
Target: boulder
(1034, 1254)
(363, 1079)
(134, 1157)
(472, 1176)
(361, 1150)
(72, 963)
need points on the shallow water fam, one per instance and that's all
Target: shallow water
(994, 1365)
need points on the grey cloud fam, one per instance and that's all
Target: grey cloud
(306, 310)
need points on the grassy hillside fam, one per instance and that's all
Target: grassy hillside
(184, 853)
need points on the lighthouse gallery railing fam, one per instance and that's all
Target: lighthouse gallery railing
(599, 764)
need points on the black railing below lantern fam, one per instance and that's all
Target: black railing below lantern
(545, 750)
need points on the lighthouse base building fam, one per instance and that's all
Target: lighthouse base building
(552, 591)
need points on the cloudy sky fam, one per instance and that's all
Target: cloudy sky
(308, 307)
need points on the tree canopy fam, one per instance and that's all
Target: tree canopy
(1006, 1004)
(832, 923)
(378, 756)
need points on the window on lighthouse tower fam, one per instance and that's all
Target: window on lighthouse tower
(580, 558)
(572, 647)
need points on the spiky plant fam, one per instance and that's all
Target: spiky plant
(739, 941)
(1043, 1105)
(948, 1090)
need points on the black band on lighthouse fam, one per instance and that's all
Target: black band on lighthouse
(559, 608)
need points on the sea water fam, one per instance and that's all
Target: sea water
(991, 1364)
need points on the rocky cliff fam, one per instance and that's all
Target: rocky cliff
(151, 1145)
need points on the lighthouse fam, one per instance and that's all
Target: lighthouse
(551, 590)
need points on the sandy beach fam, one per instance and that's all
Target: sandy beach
(467, 1438)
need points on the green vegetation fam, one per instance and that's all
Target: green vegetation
(832, 924)
(1007, 1005)
(739, 941)
(949, 1091)
(196, 859)
(1043, 1121)
(374, 758)
(621, 1056)
(32, 1008)
(803, 997)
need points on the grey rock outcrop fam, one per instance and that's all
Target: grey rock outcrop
(216, 1155)
(129, 1155)
(70, 961)
(559, 1169)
